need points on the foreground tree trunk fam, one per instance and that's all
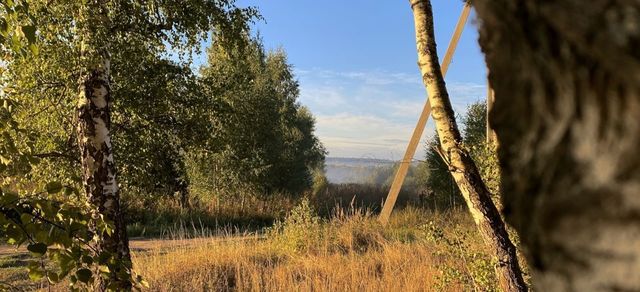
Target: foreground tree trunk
(94, 123)
(462, 168)
(566, 76)
(98, 168)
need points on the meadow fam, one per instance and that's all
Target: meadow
(421, 249)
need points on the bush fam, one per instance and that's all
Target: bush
(299, 230)
(477, 271)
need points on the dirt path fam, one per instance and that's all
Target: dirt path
(139, 244)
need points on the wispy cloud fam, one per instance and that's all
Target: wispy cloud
(376, 77)
(372, 114)
(404, 108)
(323, 96)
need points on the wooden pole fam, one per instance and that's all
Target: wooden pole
(403, 168)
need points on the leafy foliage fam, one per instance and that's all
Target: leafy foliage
(62, 232)
(439, 181)
(479, 266)
(156, 100)
(301, 226)
(17, 28)
(263, 139)
(164, 116)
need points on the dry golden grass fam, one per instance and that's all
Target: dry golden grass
(419, 250)
(349, 253)
(257, 267)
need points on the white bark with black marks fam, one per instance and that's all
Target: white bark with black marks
(94, 140)
(461, 166)
(98, 167)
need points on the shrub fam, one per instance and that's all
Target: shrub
(299, 230)
(354, 230)
(477, 269)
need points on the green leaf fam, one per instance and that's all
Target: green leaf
(53, 278)
(35, 274)
(53, 187)
(38, 249)
(4, 28)
(84, 275)
(42, 236)
(14, 235)
(104, 257)
(34, 49)
(104, 269)
(5, 160)
(8, 198)
(15, 42)
(30, 33)
(25, 218)
(65, 263)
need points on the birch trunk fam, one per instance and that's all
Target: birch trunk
(462, 168)
(566, 76)
(94, 140)
(98, 168)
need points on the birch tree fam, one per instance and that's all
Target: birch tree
(461, 166)
(77, 41)
(566, 76)
(93, 133)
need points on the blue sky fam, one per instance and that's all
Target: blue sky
(356, 64)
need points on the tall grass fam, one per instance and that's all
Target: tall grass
(418, 251)
(331, 242)
(361, 196)
(166, 218)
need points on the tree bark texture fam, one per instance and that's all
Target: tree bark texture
(566, 76)
(94, 140)
(98, 168)
(462, 167)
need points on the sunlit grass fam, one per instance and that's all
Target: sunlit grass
(418, 251)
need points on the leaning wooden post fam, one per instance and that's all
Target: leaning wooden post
(461, 166)
(403, 168)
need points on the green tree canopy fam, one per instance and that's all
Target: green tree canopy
(265, 140)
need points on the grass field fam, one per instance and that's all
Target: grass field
(420, 250)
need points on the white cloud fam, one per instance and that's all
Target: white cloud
(404, 108)
(348, 135)
(322, 96)
(372, 114)
(375, 77)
